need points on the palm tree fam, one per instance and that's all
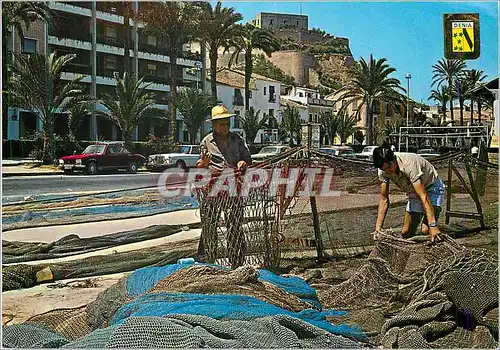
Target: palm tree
(391, 128)
(18, 15)
(78, 109)
(130, 104)
(218, 28)
(329, 123)
(462, 89)
(474, 78)
(175, 22)
(346, 126)
(441, 95)
(446, 71)
(194, 106)
(291, 125)
(36, 84)
(252, 123)
(370, 82)
(251, 38)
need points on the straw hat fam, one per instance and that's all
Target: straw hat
(220, 112)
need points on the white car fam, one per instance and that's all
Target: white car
(268, 152)
(182, 157)
(427, 153)
(367, 153)
(341, 151)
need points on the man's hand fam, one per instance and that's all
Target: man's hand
(434, 232)
(204, 162)
(241, 166)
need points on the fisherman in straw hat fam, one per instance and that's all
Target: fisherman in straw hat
(222, 147)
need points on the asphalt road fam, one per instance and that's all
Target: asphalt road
(59, 184)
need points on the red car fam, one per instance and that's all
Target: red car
(102, 156)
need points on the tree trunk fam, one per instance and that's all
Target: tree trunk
(248, 75)
(173, 94)
(213, 71)
(479, 105)
(369, 124)
(461, 104)
(471, 111)
(451, 109)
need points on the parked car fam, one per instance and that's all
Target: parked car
(428, 153)
(342, 151)
(367, 153)
(182, 157)
(102, 156)
(268, 152)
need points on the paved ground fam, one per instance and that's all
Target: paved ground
(52, 184)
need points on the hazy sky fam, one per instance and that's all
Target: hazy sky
(408, 34)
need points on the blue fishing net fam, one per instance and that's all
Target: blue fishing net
(224, 307)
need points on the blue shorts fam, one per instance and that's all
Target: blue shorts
(436, 193)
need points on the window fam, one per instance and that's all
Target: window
(152, 69)
(264, 91)
(111, 32)
(301, 94)
(111, 35)
(152, 40)
(270, 22)
(250, 94)
(110, 62)
(28, 45)
(271, 112)
(272, 95)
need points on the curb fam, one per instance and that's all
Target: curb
(52, 173)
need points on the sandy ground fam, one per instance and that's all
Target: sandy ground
(19, 305)
(42, 298)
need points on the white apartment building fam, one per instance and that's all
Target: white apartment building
(264, 97)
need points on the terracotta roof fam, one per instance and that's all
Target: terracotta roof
(257, 76)
(287, 102)
(234, 79)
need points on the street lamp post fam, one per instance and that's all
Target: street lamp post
(408, 77)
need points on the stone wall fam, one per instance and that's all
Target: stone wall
(294, 63)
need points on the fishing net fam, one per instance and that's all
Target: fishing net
(243, 224)
(156, 307)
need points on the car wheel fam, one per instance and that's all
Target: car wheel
(180, 164)
(132, 168)
(92, 168)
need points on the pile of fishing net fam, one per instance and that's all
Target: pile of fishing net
(192, 305)
(441, 295)
(24, 273)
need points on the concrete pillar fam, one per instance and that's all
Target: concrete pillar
(13, 124)
(152, 128)
(135, 136)
(93, 85)
(135, 34)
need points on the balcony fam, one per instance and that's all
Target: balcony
(78, 68)
(156, 79)
(74, 43)
(151, 49)
(319, 102)
(71, 33)
(111, 41)
(70, 8)
(72, 76)
(238, 101)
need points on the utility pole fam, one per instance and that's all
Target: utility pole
(408, 77)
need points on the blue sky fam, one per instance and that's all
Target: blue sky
(408, 34)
